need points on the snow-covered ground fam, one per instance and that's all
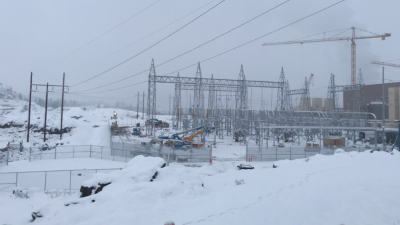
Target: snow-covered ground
(344, 188)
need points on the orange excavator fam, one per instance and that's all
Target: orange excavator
(189, 139)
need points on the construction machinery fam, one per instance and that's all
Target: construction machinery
(335, 38)
(157, 123)
(178, 141)
(136, 131)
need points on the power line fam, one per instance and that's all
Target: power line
(115, 88)
(260, 37)
(149, 46)
(144, 37)
(215, 56)
(65, 56)
(240, 25)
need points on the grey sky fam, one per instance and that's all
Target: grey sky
(34, 34)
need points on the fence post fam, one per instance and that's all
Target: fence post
(305, 153)
(101, 155)
(90, 151)
(276, 153)
(8, 153)
(45, 179)
(168, 160)
(290, 156)
(30, 152)
(55, 152)
(247, 153)
(73, 151)
(70, 177)
(41, 152)
(126, 155)
(16, 180)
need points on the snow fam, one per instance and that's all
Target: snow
(344, 188)
(61, 164)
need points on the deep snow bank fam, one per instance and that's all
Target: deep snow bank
(345, 188)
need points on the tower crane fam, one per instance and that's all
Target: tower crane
(310, 79)
(385, 64)
(353, 46)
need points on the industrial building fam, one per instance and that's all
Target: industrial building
(373, 99)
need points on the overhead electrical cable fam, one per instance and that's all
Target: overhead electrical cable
(215, 56)
(207, 42)
(114, 88)
(143, 38)
(115, 27)
(151, 46)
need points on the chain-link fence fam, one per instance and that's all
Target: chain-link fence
(118, 152)
(257, 153)
(170, 154)
(48, 180)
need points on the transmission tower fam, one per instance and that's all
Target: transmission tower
(359, 98)
(331, 96)
(305, 97)
(211, 95)
(283, 99)
(177, 103)
(151, 99)
(197, 96)
(241, 93)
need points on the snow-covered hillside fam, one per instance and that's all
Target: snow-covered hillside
(81, 126)
(345, 188)
(6, 93)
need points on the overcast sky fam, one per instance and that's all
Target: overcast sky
(49, 38)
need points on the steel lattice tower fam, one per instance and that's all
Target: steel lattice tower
(177, 102)
(151, 98)
(359, 98)
(241, 93)
(197, 96)
(211, 95)
(283, 99)
(305, 97)
(331, 96)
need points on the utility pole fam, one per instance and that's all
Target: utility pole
(169, 105)
(143, 106)
(29, 113)
(45, 112)
(63, 86)
(137, 106)
(383, 110)
(62, 107)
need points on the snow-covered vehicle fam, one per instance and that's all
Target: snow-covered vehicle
(245, 167)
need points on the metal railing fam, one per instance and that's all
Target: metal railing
(257, 153)
(119, 152)
(48, 180)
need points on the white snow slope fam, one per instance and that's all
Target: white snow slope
(89, 126)
(344, 188)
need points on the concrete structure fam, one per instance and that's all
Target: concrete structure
(327, 105)
(317, 104)
(373, 95)
(394, 103)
